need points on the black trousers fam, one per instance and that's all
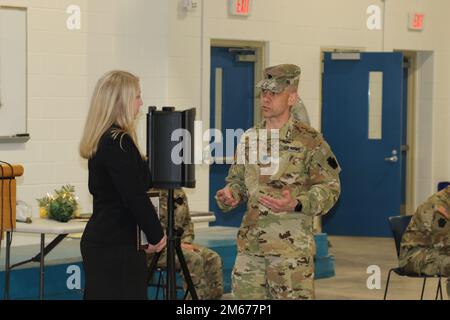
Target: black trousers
(114, 272)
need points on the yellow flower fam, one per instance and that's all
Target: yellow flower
(43, 213)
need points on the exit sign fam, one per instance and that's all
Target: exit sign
(416, 21)
(240, 7)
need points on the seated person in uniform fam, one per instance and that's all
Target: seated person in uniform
(204, 264)
(425, 247)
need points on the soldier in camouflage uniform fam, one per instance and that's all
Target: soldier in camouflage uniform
(299, 112)
(275, 241)
(425, 247)
(204, 264)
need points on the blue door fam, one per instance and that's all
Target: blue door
(367, 142)
(231, 107)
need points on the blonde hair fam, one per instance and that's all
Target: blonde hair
(112, 103)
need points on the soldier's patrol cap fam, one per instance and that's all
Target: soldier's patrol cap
(277, 78)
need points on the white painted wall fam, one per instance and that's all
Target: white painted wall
(295, 31)
(63, 67)
(169, 49)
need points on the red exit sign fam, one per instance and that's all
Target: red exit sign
(416, 21)
(240, 7)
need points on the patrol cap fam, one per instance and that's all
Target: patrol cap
(277, 78)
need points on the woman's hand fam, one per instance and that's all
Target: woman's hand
(187, 246)
(157, 247)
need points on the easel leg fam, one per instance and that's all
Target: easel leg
(152, 266)
(41, 278)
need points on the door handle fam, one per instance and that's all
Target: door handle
(391, 159)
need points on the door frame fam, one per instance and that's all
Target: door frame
(410, 185)
(260, 63)
(410, 132)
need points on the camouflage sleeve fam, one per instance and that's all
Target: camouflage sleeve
(423, 218)
(162, 209)
(323, 171)
(183, 216)
(236, 182)
(427, 213)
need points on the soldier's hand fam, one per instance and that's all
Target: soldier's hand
(286, 203)
(226, 196)
(444, 212)
(187, 246)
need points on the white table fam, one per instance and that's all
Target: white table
(42, 227)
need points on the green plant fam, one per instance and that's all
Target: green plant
(61, 206)
(44, 201)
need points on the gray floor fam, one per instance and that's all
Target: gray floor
(352, 258)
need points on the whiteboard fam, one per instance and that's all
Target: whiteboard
(13, 71)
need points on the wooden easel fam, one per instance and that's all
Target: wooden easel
(8, 176)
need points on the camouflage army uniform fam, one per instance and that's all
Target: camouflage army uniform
(425, 247)
(204, 264)
(299, 112)
(276, 250)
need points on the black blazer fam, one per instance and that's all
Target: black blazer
(119, 180)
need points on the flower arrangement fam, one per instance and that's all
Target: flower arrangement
(43, 205)
(61, 206)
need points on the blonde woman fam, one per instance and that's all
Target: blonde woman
(119, 177)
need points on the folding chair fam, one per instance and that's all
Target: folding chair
(398, 226)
